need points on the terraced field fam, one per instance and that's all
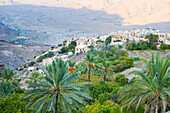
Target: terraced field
(142, 54)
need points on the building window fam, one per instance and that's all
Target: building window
(161, 35)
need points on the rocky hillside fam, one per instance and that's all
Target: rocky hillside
(132, 11)
(7, 33)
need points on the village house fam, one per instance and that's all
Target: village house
(162, 36)
(81, 49)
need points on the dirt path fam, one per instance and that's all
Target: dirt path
(127, 71)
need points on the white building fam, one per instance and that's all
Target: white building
(81, 49)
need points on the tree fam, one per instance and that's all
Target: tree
(59, 45)
(106, 69)
(71, 65)
(108, 40)
(35, 75)
(154, 47)
(56, 88)
(89, 66)
(164, 46)
(6, 89)
(7, 75)
(152, 38)
(130, 46)
(72, 45)
(151, 88)
(32, 63)
(64, 43)
(64, 49)
(121, 79)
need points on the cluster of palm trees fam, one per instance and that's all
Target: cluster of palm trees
(152, 88)
(57, 90)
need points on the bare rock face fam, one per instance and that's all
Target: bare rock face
(132, 11)
(7, 33)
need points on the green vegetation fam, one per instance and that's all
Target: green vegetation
(98, 41)
(151, 88)
(7, 75)
(152, 38)
(32, 63)
(14, 104)
(64, 49)
(108, 40)
(57, 87)
(70, 48)
(121, 79)
(164, 46)
(59, 45)
(48, 55)
(89, 66)
(91, 86)
(141, 45)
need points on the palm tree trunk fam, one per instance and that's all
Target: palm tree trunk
(104, 79)
(89, 78)
(56, 103)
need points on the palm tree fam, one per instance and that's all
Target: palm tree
(89, 66)
(7, 75)
(6, 89)
(152, 88)
(107, 69)
(71, 65)
(35, 75)
(56, 87)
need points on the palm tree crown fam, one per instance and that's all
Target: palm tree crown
(56, 87)
(151, 88)
(89, 66)
(7, 74)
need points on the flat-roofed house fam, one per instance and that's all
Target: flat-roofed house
(162, 36)
(81, 49)
(140, 37)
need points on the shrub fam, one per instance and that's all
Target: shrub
(14, 104)
(40, 59)
(136, 58)
(113, 95)
(31, 63)
(98, 41)
(107, 107)
(59, 45)
(91, 46)
(20, 69)
(121, 79)
(164, 46)
(96, 90)
(101, 99)
(64, 49)
(153, 47)
(50, 54)
(52, 48)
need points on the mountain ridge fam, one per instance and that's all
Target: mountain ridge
(133, 12)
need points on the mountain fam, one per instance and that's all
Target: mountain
(133, 12)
